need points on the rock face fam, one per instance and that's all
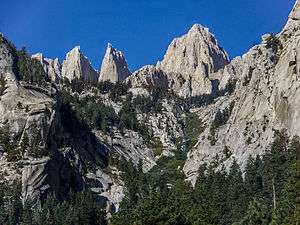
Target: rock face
(67, 153)
(294, 17)
(148, 77)
(76, 65)
(114, 66)
(187, 64)
(266, 97)
(52, 67)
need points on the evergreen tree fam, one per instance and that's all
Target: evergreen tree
(256, 215)
(253, 178)
(236, 194)
(289, 208)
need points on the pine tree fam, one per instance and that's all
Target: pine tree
(256, 214)
(289, 212)
(27, 214)
(236, 194)
(253, 177)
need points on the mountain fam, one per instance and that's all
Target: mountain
(114, 66)
(187, 64)
(162, 138)
(76, 65)
(266, 97)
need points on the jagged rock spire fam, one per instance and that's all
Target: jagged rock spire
(190, 60)
(114, 66)
(76, 65)
(294, 17)
(197, 52)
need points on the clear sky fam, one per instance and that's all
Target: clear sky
(142, 29)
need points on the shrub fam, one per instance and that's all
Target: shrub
(221, 118)
(3, 83)
(119, 89)
(105, 87)
(30, 70)
(96, 114)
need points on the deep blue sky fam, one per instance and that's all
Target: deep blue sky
(142, 29)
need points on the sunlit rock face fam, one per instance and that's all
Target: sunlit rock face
(266, 97)
(187, 64)
(76, 65)
(114, 66)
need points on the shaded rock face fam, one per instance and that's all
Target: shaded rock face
(52, 67)
(8, 63)
(68, 151)
(266, 97)
(76, 65)
(114, 66)
(187, 64)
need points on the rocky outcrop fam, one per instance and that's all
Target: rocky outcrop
(187, 64)
(65, 151)
(52, 67)
(266, 97)
(196, 53)
(114, 66)
(294, 18)
(76, 65)
(190, 60)
(148, 77)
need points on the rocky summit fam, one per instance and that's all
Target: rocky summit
(195, 139)
(76, 65)
(188, 64)
(114, 66)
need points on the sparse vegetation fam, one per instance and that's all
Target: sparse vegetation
(221, 118)
(248, 77)
(30, 70)
(204, 100)
(3, 84)
(275, 44)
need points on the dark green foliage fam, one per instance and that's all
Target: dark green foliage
(105, 87)
(2, 84)
(80, 209)
(9, 145)
(34, 148)
(256, 214)
(275, 44)
(127, 115)
(119, 89)
(221, 118)
(96, 114)
(30, 70)
(192, 128)
(75, 85)
(10, 204)
(145, 104)
(289, 208)
(227, 152)
(30, 145)
(219, 198)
